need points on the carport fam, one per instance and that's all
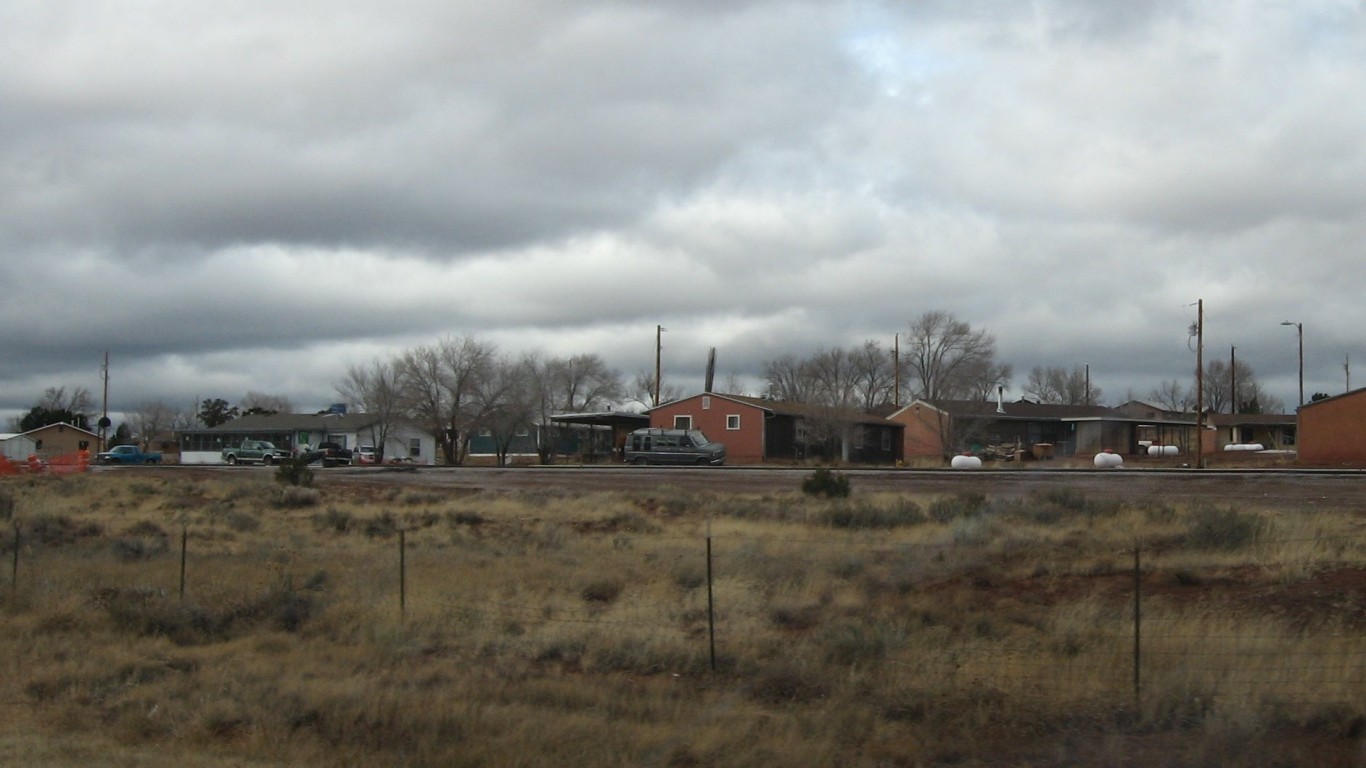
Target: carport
(619, 423)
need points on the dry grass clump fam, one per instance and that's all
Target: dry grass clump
(559, 628)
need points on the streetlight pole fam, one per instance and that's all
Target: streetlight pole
(1299, 330)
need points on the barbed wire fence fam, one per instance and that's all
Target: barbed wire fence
(1136, 624)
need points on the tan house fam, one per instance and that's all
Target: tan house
(63, 439)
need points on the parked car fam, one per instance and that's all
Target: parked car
(329, 453)
(255, 452)
(127, 454)
(673, 446)
(366, 455)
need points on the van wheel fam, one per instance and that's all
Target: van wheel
(267, 460)
(232, 460)
(641, 461)
(702, 462)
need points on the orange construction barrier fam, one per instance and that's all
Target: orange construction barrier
(69, 463)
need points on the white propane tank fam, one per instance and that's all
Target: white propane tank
(965, 461)
(1163, 450)
(1108, 459)
(1244, 447)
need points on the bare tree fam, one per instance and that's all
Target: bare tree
(151, 419)
(465, 364)
(1059, 386)
(874, 374)
(1173, 397)
(583, 383)
(510, 401)
(950, 360)
(790, 380)
(642, 390)
(78, 402)
(375, 391)
(1235, 388)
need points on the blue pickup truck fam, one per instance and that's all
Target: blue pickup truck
(127, 454)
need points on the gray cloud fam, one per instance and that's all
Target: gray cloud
(256, 196)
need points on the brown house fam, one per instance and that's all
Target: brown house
(63, 439)
(755, 430)
(1332, 432)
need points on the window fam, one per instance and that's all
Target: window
(682, 422)
(415, 447)
(886, 439)
(706, 402)
(733, 421)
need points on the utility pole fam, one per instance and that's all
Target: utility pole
(1200, 384)
(1299, 332)
(896, 370)
(659, 346)
(1088, 383)
(104, 408)
(1347, 371)
(1233, 378)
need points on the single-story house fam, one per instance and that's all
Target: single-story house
(1273, 431)
(58, 440)
(17, 446)
(292, 431)
(1332, 432)
(755, 430)
(938, 428)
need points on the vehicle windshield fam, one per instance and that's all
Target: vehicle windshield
(698, 439)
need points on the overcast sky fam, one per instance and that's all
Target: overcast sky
(253, 195)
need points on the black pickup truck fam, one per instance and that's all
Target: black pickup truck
(330, 454)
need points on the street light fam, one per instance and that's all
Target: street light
(1299, 330)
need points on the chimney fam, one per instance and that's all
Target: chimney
(1000, 399)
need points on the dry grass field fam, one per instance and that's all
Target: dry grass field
(156, 618)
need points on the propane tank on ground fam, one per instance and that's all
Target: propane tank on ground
(1108, 459)
(965, 461)
(1163, 450)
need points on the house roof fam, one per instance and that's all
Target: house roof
(63, 424)
(295, 422)
(604, 418)
(1334, 398)
(795, 410)
(1252, 419)
(1020, 410)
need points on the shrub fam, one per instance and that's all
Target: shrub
(294, 472)
(946, 508)
(382, 526)
(823, 482)
(1223, 528)
(601, 591)
(6, 504)
(297, 497)
(334, 520)
(903, 512)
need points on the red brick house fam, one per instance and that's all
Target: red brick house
(1332, 432)
(757, 430)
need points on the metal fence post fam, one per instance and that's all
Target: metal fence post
(711, 603)
(1138, 628)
